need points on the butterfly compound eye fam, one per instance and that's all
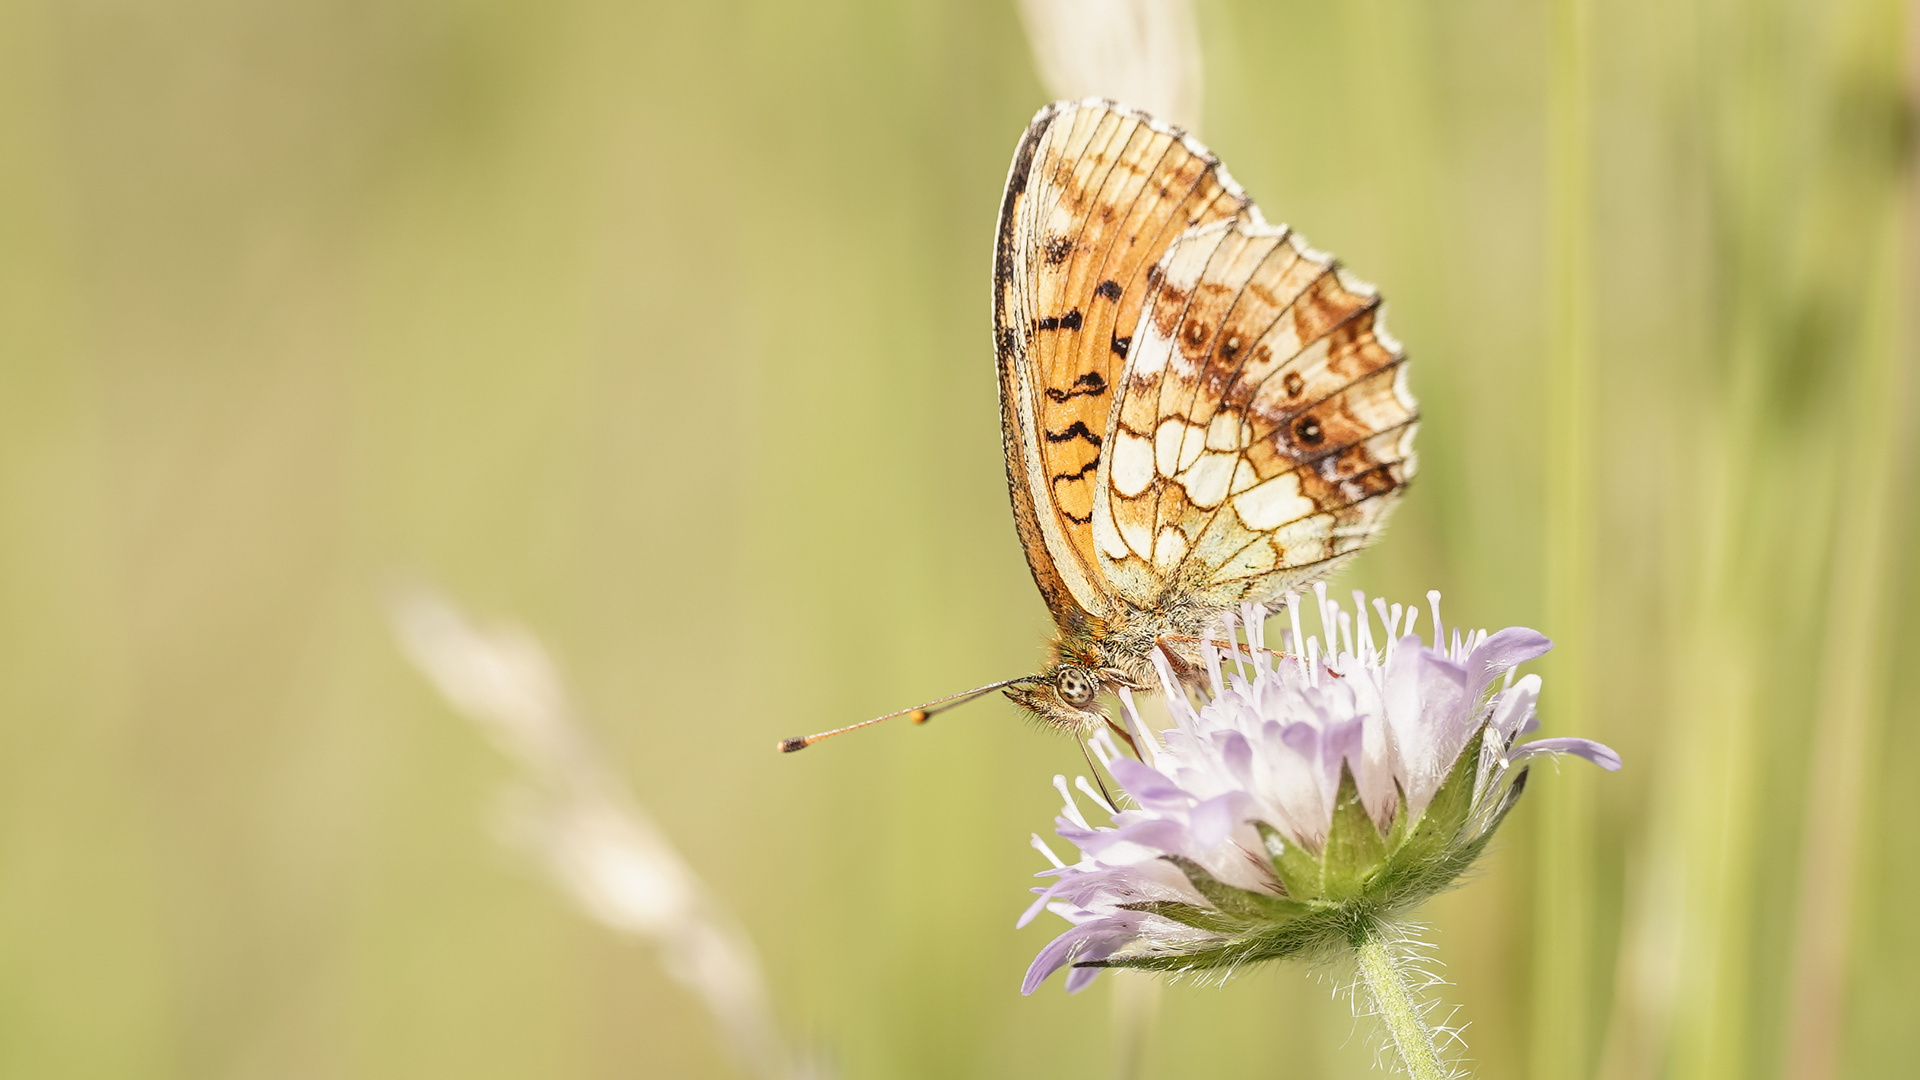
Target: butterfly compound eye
(1076, 688)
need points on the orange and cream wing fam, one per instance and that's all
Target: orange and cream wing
(1097, 196)
(1262, 428)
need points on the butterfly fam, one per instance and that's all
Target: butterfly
(1198, 410)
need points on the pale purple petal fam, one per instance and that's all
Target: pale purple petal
(1301, 796)
(1033, 910)
(1159, 834)
(1056, 955)
(1100, 948)
(1236, 754)
(1213, 821)
(1431, 716)
(1109, 888)
(1505, 649)
(1343, 743)
(1598, 753)
(1372, 764)
(1303, 739)
(1513, 708)
(1081, 977)
(1149, 787)
(1089, 941)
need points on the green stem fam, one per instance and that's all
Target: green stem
(1136, 1004)
(1393, 1000)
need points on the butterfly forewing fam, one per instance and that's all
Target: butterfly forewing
(1097, 195)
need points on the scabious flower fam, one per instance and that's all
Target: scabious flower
(1313, 796)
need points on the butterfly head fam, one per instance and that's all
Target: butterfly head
(1066, 695)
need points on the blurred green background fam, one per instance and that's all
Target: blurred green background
(662, 328)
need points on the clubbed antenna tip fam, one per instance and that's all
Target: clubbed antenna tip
(919, 715)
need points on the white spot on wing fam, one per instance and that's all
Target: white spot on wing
(1187, 257)
(1273, 503)
(1132, 464)
(1227, 431)
(1244, 477)
(1192, 442)
(1206, 482)
(1168, 549)
(1166, 445)
(1148, 352)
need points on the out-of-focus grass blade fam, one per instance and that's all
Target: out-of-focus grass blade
(1563, 917)
(601, 848)
(1145, 53)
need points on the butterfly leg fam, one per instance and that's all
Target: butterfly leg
(1227, 646)
(1124, 734)
(1097, 778)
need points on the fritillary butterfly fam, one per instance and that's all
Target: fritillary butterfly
(1198, 409)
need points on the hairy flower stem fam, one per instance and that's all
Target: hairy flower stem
(1394, 1002)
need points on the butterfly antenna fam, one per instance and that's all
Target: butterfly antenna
(920, 713)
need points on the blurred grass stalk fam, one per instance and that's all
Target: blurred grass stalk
(1563, 913)
(599, 846)
(1802, 124)
(1144, 53)
(1853, 662)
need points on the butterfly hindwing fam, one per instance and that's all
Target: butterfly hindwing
(1097, 195)
(1263, 427)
